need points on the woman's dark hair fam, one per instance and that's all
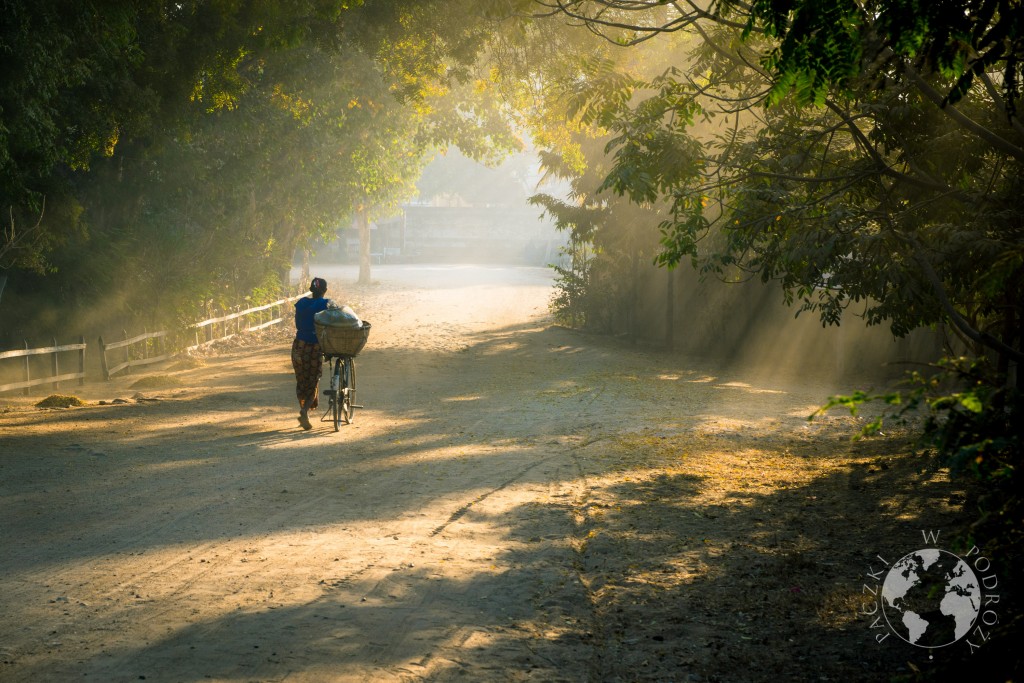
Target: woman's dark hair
(318, 286)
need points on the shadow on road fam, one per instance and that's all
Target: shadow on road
(621, 547)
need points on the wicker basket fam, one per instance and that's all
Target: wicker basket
(342, 341)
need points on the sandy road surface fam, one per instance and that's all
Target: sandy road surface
(516, 502)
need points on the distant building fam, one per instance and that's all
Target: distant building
(466, 234)
(486, 220)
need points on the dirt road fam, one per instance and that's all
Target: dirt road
(515, 502)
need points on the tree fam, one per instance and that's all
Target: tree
(609, 239)
(188, 153)
(819, 191)
(859, 153)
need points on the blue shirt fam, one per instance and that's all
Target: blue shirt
(305, 309)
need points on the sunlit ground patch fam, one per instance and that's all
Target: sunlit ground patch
(168, 465)
(734, 462)
(567, 389)
(737, 428)
(186, 363)
(156, 382)
(748, 388)
(495, 348)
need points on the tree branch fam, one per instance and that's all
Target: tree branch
(14, 240)
(958, 320)
(574, 10)
(936, 98)
(994, 94)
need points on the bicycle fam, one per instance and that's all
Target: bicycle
(341, 396)
(340, 346)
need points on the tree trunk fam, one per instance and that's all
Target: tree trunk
(634, 295)
(286, 244)
(363, 224)
(284, 276)
(3, 283)
(670, 311)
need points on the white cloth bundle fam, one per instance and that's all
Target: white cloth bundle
(339, 316)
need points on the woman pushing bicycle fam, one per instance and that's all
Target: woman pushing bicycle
(307, 358)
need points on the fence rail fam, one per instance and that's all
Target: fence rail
(138, 350)
(208, 328)
(55, 377)
(129, 345)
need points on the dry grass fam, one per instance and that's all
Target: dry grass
(60, 401)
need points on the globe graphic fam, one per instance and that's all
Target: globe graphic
(931, 598)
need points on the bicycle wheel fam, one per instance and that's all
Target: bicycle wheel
(347, 389)
(352, 389)
(336, 397)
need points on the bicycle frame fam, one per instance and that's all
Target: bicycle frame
(341, 393)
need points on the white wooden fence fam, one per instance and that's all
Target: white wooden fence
(231, 324)
(55, 377)
(138, 351)
(146, 348)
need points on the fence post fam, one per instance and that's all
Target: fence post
(81, 361)
(127, 354)
(55, 365)
(103, 360)
(28, 371)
